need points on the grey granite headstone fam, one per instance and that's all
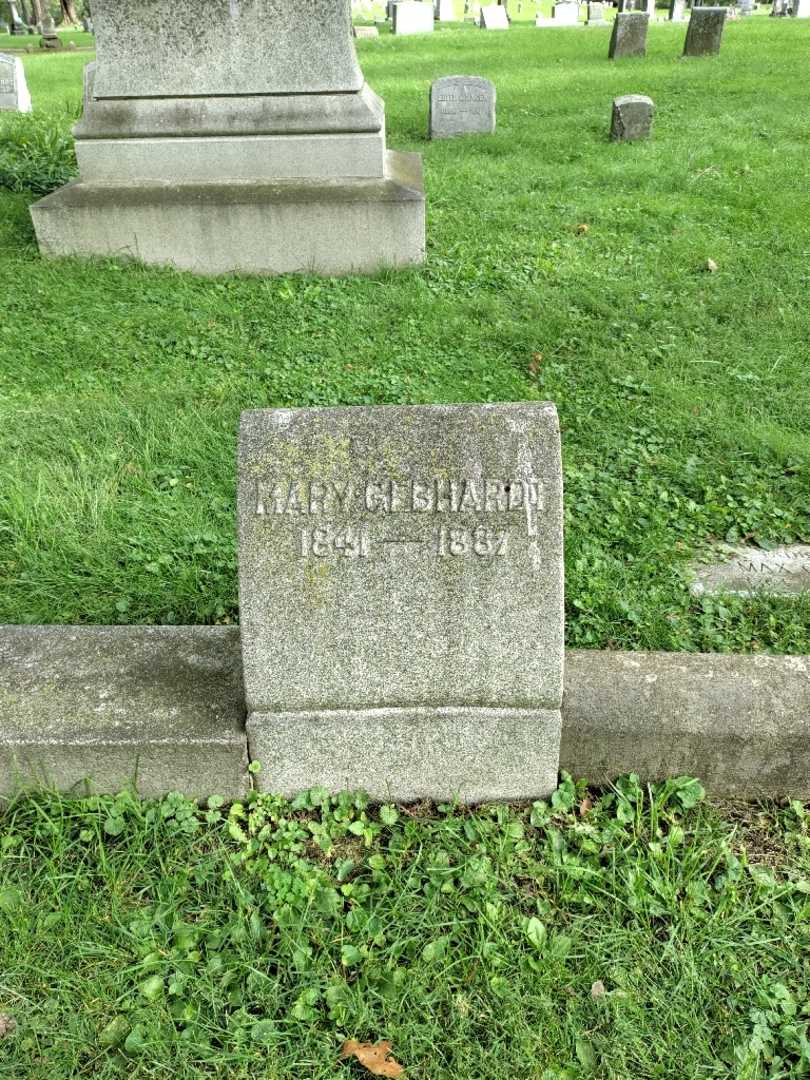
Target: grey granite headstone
(401, 598)
(629, 36)
(632, 118)
(461, 105)
(705, 31)
(50, 38)
(14, 96)
(748, 571)
(596, 14)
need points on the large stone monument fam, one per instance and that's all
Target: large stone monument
(401, 599)
(244, 141)
(14, 96)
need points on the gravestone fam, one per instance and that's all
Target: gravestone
(443, 11)
(676, 10)
(14, 96)
(801, 9)
(632, 118)
(412, 17)
(596, 15)
(461, 105)
(629, 36)
(705, 31)
(746, 571)
(267, 156)
(366, 32)
(565, 13)
(50, 38)
(18, 27)
(494, 17)
(401, 589)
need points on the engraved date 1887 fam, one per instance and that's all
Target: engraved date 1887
(481, 541)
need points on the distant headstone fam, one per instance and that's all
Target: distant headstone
(801, 9)
(443, 11)
(629, 37)
(747, 571)
(412, 17)
(596, 14)
(632, 118)
(779, 9)
(50, 38)
(676, 10)
(365, 31)
(494, 17)
(745, 8)
(14, 96)
(18, 27)
(401, 599)
(705, 31)
(87, 26)
(461, 105)
(565, 13)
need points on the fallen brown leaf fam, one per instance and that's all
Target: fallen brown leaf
(710, 266)
(583, 228)
(373, 1056)
(598, 989)
(8, 1025)
(585, 806)
(536, 361)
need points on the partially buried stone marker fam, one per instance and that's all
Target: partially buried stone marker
(401, 598)
(14, 96)
(705, 31)
(461, 105)
(747, 571)
(629, 37)
(366, 32)
(632, 118)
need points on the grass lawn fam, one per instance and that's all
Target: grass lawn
(642, 934)
(560, 266)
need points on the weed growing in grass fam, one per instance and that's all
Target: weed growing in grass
(593, 935)
(36, 152)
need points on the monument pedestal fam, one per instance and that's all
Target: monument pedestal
(268, 157)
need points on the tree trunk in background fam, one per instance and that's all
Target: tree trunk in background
(37, 12)
(69, 16)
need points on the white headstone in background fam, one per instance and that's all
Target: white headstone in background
(493, 17)
(412, 17)
(14, 94)
(565, 13)
(801, 9)
(443, 11)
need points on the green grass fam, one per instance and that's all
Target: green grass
(638, 934)
(33, 41)
(683, 394)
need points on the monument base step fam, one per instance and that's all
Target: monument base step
(406, 755)
(336, 227)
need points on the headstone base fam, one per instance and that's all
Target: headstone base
(406, 755)
(337, 227)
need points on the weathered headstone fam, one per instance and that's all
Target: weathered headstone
(14, 96)
(676, 10)
(461, 105)
(50, 38)
(412, 17)
(565, 13)
(632, 118)
(494, 17)
(705, 31)
(267, 156)
(746, 571)
(629, 36)
(596, 14)
(366, 32)
(401, 591)
(443, 11)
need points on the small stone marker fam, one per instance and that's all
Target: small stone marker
(365, 31)
(705, 31)
(565, 13)
(632, 118)
(412, 17)
(494, 17)
(50, 38)
(596, 15)
(401, 592)
(461, 105)
(676, 10)
(443, 11)
(14, 95)
(747, 571)
(629, 37)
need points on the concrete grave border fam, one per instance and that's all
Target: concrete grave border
(164, 705)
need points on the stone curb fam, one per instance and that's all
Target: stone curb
(164, 706)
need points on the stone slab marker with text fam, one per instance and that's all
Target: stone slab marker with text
(401, 599)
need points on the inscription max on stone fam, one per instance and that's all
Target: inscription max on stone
(508, 501)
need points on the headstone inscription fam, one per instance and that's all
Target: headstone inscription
(401, 588)
(461, 105)
(494, 17)
(632, 118)
(268, 156)
(412, 17)
(705, 31)
(14, 95)
(629, 36)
